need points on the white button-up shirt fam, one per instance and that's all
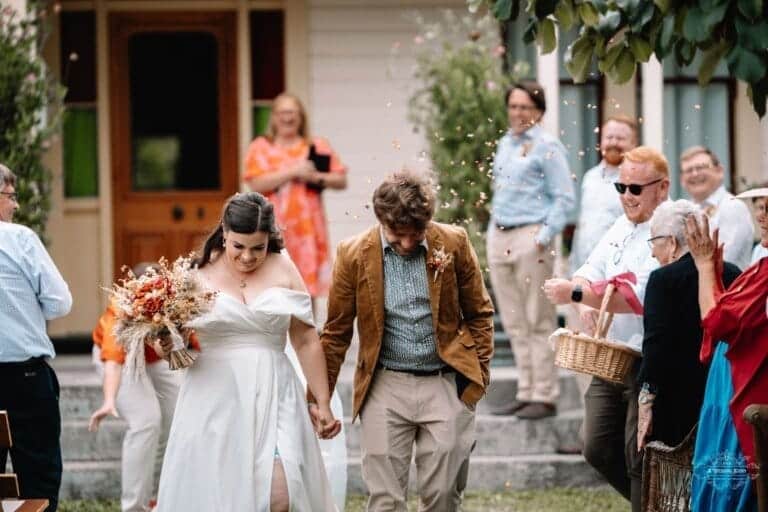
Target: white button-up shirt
(31, 292)
(600, 207)
(624, 248)
(758, 253)
(735, 222)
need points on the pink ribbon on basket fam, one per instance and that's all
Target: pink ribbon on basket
(623, 284)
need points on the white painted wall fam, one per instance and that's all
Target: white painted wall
(360, 78)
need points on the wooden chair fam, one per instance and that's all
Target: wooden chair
(667, 475)
(757, 416)
(9, 484)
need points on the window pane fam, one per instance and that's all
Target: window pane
(260, 116)
(78, 55)
(174, 111)
(696, 116)
(80, 143)
(267, 68)
(672, 69)
(517, 50)
(578, 120)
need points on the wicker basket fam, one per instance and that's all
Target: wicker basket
(667, 476)
(595, 355)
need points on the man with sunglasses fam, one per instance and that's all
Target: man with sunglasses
(8, 199)
(32, 292)
(610, 410)
(701, 175)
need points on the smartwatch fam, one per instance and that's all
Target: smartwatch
(577, 294)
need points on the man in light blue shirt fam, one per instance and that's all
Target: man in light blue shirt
(32, 291)
(533, 195)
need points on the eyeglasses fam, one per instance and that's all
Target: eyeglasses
(654, 238)
(634, 188)
(13, 196)
(760, 209)
(696, 168)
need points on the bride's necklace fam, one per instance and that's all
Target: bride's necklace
(241, 279)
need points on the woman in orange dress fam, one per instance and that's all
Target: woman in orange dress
(278, 167)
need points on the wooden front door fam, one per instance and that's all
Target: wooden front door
(173, 85)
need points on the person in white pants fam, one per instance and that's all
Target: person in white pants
(146, 402)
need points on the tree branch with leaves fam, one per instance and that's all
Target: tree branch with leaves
(619, 34)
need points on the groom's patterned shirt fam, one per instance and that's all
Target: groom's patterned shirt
(409, 339)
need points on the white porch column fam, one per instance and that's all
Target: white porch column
(105, 146)
(653, 104)
(764, 149)
(243, 84)
(548, 76)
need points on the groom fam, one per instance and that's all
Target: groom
(425, 324)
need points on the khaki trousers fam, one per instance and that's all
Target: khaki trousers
(402, 410)
(146, 403)
(518, 271)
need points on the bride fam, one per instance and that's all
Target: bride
(242, 437)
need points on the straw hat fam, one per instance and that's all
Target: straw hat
(755, 192)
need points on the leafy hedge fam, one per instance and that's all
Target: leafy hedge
(619, 34)
(30, 107)
(459, 107)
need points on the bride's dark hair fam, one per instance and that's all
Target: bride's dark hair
(243, 213)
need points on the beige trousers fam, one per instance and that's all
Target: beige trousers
(402, 410)
(147, 404)
(518, 271)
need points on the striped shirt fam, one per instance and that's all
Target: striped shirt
(409, 339)
(31, 292)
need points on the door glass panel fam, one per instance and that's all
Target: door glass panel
(174, 111)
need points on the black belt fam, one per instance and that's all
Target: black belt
(419, 373)
(509, 227)
(32, 361)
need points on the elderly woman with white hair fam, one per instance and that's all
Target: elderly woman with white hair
(671, 378)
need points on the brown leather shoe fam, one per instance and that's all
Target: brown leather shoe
(510, 409)
(536, 411)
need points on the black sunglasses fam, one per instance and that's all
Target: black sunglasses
(634, 188)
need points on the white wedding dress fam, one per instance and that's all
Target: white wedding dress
(240, 406)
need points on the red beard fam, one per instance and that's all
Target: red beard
(613, 155)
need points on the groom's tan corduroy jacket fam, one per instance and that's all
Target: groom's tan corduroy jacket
(462, 313)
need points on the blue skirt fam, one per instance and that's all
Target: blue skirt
(721, 481)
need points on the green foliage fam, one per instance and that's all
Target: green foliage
(30, 106)
(619, 34)
(460, 109)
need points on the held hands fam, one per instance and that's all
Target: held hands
(106, 409)
(163, 345)
(305, 172)
(558, 290)
(326, 426)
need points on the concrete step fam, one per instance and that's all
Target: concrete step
(496, 435)
(98, 480)
(81, 391)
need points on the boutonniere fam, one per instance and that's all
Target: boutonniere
(439, 261)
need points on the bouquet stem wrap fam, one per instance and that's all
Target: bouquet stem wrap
(179, 357)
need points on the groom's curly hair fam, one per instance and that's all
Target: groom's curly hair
(406, 199)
